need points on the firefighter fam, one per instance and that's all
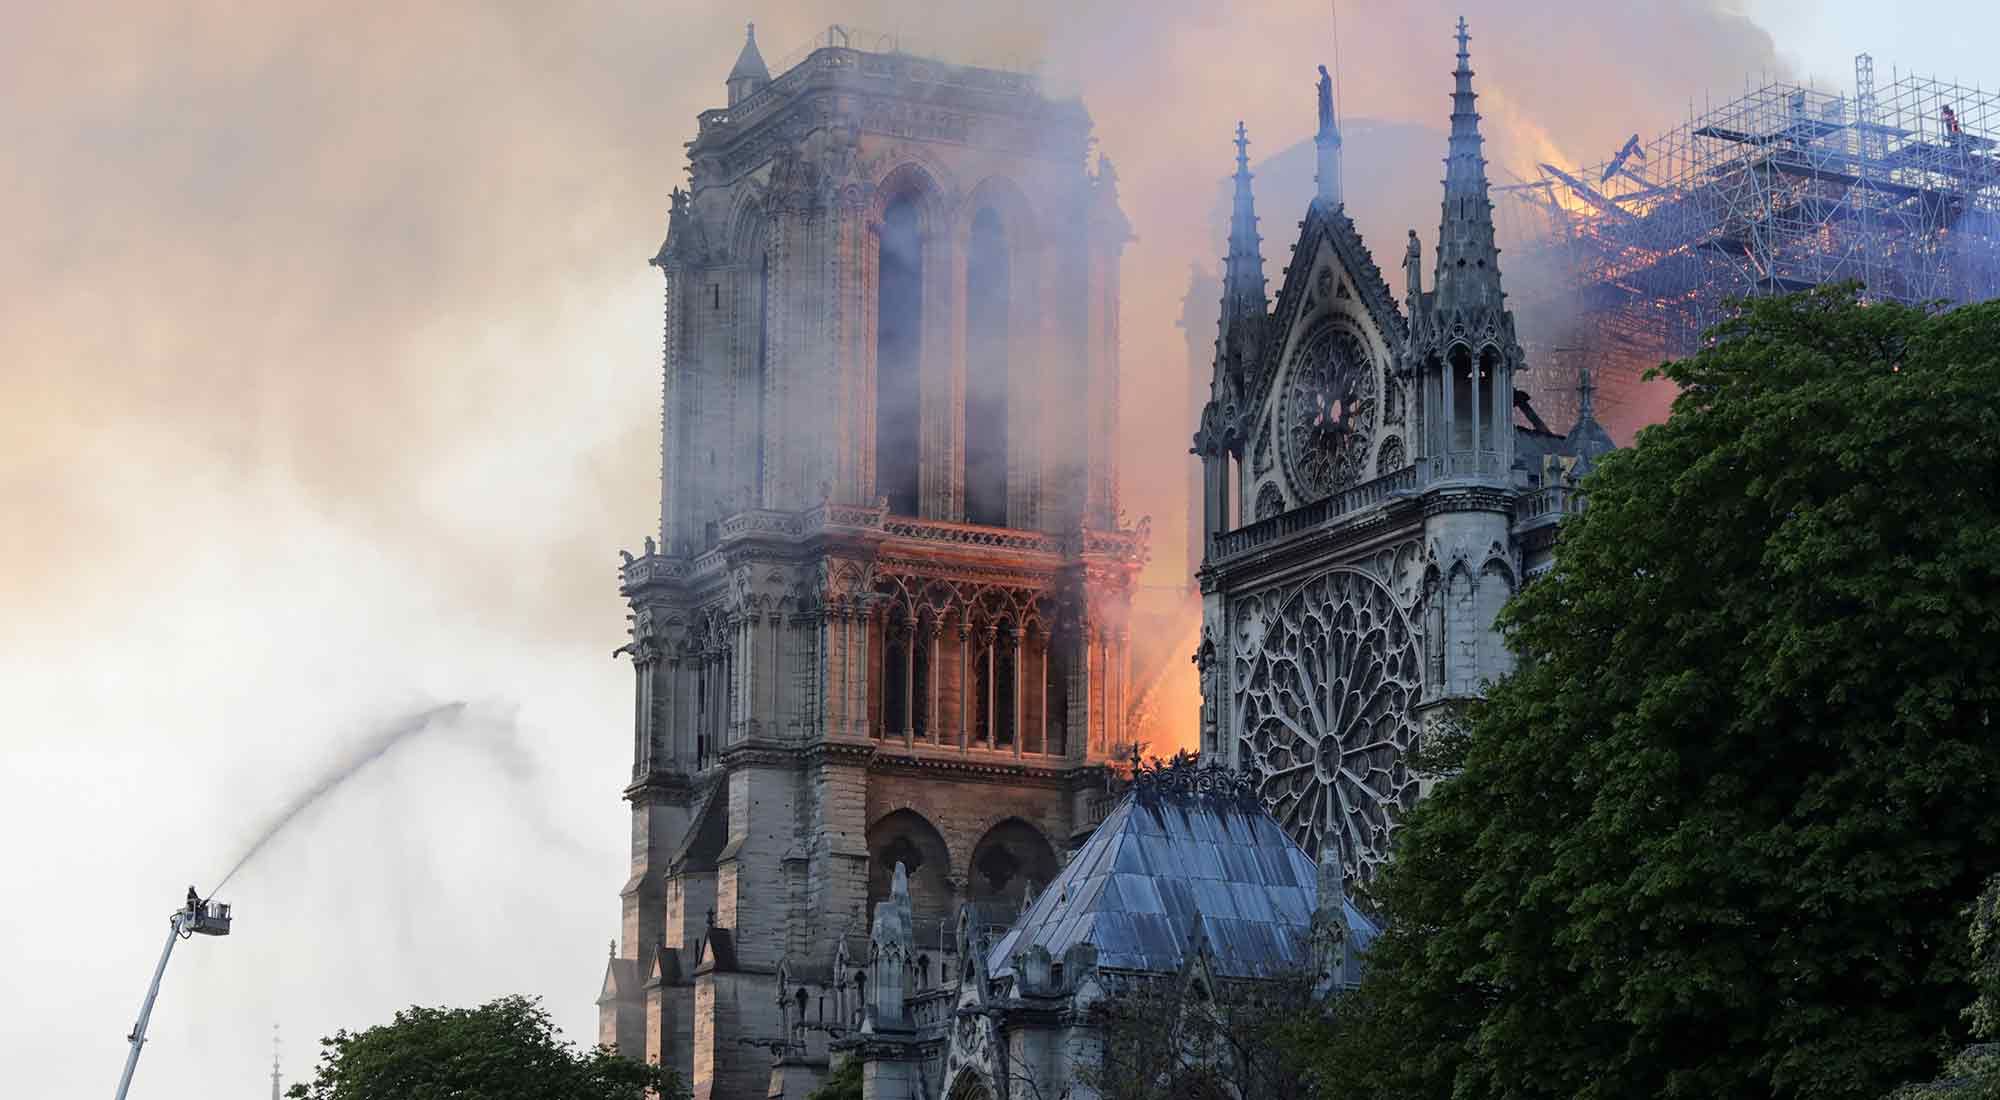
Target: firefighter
(1950, 121)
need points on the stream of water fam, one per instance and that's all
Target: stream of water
(340, 771)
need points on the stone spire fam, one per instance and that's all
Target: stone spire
(1243, 268)
(1327, 140)
(749, 72)
(1588, 440)
(1468, 262)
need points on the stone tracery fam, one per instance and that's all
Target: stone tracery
(1329, 411)
(1328, 678)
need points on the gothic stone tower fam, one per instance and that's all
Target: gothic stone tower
(886, 618)
(1370, 502)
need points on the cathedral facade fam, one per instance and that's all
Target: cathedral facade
(1374, 489)
(885, 620)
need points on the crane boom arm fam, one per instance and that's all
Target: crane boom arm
(138, 1036)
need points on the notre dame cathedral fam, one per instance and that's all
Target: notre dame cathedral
(884, 647)
(887, 617)
(1374, 489)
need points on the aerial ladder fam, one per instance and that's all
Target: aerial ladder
(196, 918)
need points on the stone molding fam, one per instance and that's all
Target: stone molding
(1468, 498)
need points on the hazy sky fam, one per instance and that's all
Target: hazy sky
(328, 383)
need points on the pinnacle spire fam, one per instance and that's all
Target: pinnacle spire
(1588, 440)
(1468, 268)
(1243, 269)
(749, 73)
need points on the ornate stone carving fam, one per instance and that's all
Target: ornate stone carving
(1329, 675)
(1328, 412)
(1270, 501)
(1186, 776)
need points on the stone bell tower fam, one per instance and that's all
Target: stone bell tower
(885, 620)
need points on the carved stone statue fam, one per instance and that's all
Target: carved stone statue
(1325, 100)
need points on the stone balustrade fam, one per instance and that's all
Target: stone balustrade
(1229, 544)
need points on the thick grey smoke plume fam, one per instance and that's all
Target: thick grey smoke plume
(331, 374)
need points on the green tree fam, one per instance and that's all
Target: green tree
(1975, 1073)
(1173, 1039)
(844, 1083)
(1713, 838)
(504, 1050)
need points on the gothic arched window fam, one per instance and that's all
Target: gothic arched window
(986, 365)
(1464, 399)
(763, 380)
(898, 352)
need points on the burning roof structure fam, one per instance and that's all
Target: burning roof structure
(1788, 187)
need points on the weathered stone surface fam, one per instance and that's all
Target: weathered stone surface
(825, 684)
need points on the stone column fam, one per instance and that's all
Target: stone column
(910, 643)
(670, 715)
(771, 699)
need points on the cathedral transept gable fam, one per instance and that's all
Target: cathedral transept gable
(1328, 405)
(1329, 235)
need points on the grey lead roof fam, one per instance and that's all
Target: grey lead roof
(1158, 868)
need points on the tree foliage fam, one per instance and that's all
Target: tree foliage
(1179, 1039)
(1975, 1073)
(844, 1083)
(1715, 835)
(504, 1050)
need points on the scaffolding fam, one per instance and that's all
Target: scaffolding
(1628, 262)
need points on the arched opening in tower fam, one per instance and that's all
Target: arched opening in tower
(986, 363)
(898, 354)
(995, 711)
(906, 679)
(1011, 856)
(763, 380)
(1464, 398)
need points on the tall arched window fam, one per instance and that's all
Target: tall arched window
(898, 348)
(763, 368)
(986, 362)
(1464, 399)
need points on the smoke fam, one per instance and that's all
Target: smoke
(332, 379)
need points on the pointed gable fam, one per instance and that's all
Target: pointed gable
(621, 981)
(1355, 271)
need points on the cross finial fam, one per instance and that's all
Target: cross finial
(1242, 145)
(1585, 387)
(614, 949)
(750, 30)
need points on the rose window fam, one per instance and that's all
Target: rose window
(1327, 683)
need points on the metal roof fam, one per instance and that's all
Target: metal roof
(1161, 868)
